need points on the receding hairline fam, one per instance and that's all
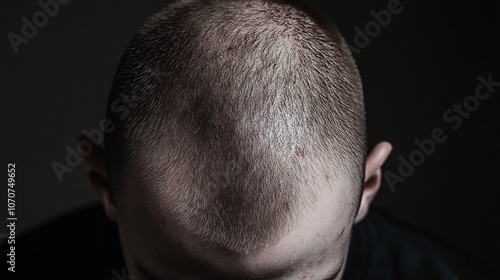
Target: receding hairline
(145, 129)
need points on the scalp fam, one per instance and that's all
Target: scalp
(243, 106)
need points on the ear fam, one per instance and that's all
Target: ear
(373, 177)
(96, 172)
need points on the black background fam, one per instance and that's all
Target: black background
(427, 58)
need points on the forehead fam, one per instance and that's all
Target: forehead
(161, 244)
(183, 267)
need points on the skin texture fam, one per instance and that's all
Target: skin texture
(243, 157)
(315, 248)
(241, 152)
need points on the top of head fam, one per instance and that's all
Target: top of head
(237, 115)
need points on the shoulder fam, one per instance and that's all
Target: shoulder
(80, 244)
(384, 249)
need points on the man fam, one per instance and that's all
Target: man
(238, 151)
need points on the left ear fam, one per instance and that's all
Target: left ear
(373, 177)
(96, 174)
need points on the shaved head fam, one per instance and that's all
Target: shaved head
(234, 119)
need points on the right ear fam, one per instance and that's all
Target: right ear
(96, 173)
(373, 177)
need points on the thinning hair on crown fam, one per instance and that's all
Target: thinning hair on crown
(231, 111)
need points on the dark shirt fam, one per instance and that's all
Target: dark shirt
(382, 249)
(84, 244)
